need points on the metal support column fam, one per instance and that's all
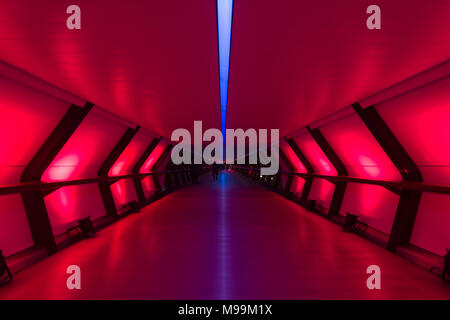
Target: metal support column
(105, 186)
(408, 205)
(33, 201)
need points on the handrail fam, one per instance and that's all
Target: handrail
(391, 185)
(43, 186)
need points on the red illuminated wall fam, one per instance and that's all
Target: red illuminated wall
(154, 157)
(321, 190)
(420, 120)
(364, 158)
(297, 182)
(124, 190)
(293, 159)
(147, 183)
(31, 109)
(28, 117)
(81, 157)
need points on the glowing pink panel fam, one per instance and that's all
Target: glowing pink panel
(358, 150)
(315, 155)
(420, 120)
(128, 158)
(148, 185)
(123, 192)
(154, 157)
(27, 118)
(374, 205)
(80, 158)
(364, 158)
(86, 150)
(432, 227)
(297, 182)
(297, 185)
(67, 205)
(293, 159)
(322, 191)
(15, 233)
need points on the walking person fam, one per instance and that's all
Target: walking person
(215, 171)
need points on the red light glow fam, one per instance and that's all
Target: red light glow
(358, 150)
(154, 156)
(293, 159)
(315, 155)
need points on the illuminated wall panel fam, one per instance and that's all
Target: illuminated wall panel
(154, 157)
(358, 150)
(147, 183)
(128, 158)
(297, 185)
(124, 191)
(80, 158)
(67, 205)
(15, 233)
(364, 158)
(321, 190)
(432, 227)
(375, 205)
(420, 120)
(28, 117)
(148, 186)
(293, 159)
(315, 155)
(86, 149)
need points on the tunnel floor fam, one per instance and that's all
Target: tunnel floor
(231, 239)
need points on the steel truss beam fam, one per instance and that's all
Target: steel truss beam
(309, 169)
(408, 205)
(137, 167)
(340, 186)
(105, 186)
(33, 201)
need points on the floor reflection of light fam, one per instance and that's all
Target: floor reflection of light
(223, 240)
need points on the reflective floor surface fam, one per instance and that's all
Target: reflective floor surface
(231, 239)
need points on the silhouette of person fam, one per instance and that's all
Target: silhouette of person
(215, 171)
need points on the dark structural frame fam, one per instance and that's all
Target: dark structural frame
(33, 189)
(409, 189)
(105, 186)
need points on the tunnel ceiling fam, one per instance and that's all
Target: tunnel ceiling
(294, 62)
(156, 62)
(151, 62)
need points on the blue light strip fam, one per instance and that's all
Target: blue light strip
(224, 21)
